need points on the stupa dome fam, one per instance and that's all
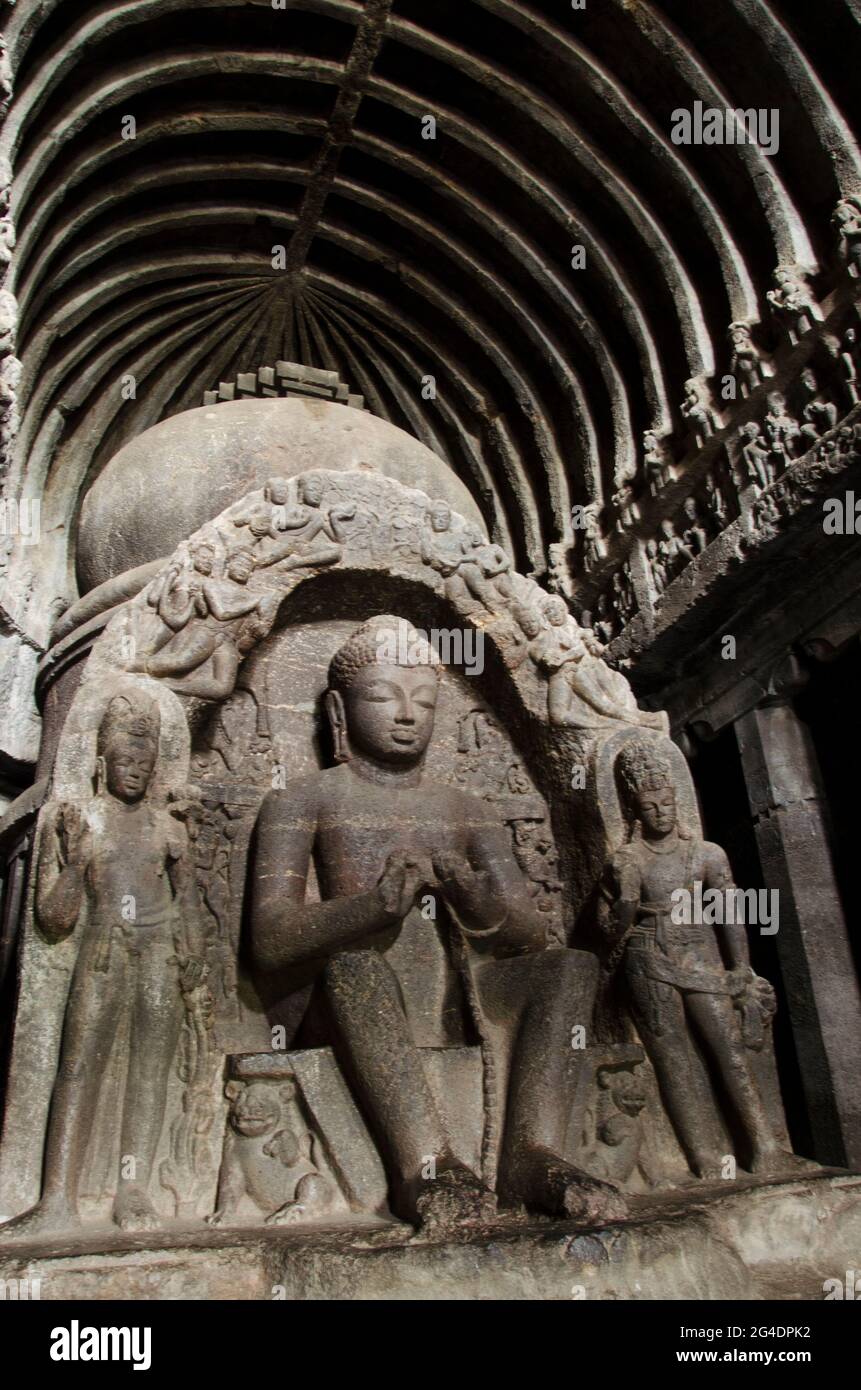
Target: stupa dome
(170, 480)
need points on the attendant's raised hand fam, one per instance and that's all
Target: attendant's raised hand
(76, 839)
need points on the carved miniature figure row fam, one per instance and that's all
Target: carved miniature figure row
(747, 481)
(220, 595)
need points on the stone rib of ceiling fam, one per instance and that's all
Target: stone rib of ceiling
(408, 257)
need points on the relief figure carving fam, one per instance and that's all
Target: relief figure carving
(141, 952)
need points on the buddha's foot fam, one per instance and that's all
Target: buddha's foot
(48, 1218)
(563, 1190)
(133, 1210)
(456, 1197)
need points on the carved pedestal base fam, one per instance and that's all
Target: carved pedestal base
(747, 1242)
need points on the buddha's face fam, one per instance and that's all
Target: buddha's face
(657, 811)
(129, 763)
(440, 518)
(390, 711)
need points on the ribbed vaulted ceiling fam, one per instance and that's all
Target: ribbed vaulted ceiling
(302, 126)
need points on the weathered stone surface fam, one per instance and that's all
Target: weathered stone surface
(781, 1241)
(455, 827)
(310, 931)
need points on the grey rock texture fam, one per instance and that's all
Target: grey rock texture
(777, 1242)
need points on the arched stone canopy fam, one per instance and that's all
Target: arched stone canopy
(406, 256)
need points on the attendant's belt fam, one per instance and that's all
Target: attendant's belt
(652, 944)
(659, 929)
(130, 937)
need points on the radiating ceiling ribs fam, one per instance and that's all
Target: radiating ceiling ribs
(403, 256)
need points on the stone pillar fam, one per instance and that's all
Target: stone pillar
(786, 800)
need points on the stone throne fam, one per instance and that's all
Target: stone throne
(293, 522)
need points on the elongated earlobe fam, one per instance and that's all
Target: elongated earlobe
(338, 724)
(101, 777)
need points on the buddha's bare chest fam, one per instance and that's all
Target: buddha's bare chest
(355, 836)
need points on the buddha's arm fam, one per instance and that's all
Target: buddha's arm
(285, 929)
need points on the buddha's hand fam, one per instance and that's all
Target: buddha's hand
(469, 892)
(75, 837)
(404, 876)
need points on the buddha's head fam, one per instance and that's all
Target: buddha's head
(127, 748)
(382, 695)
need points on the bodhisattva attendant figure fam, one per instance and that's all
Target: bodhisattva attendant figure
(118, 873)
(382, 834)
(678, 982)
